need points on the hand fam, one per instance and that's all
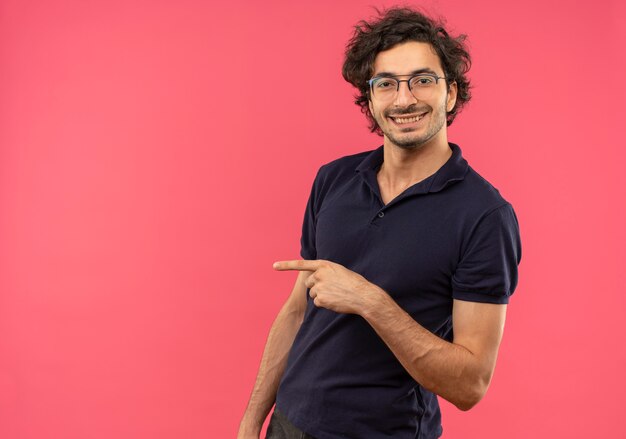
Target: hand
(333, 286)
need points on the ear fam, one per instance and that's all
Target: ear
(369, 103)
(451, 96)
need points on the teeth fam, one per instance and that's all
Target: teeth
(407, 119)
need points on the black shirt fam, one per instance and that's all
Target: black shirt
(450, 236)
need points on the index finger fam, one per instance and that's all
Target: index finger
(300, 265)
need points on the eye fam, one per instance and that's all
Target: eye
(422, 81)
(384, 83)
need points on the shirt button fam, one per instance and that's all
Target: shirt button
(381, 214)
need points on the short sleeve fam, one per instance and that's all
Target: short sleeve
(307, 240)
(488, 269)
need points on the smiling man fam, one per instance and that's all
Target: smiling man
(409, 259)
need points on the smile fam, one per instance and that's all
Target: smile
(410, 119)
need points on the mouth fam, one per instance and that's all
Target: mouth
(407, 120)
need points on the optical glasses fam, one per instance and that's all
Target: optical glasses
(387, 87)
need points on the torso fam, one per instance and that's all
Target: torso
(388, 193)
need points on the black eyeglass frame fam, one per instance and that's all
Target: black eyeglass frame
(370, 82)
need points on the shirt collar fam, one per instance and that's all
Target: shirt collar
(453, 170)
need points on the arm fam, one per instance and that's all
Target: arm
(459, 372)
(274, 360)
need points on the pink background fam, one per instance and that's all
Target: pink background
(155, 159)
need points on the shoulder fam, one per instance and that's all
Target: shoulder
(345, 164)
(339, 170)
(478, 195)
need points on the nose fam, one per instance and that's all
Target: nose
(404, 97)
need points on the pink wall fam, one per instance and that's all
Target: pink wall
(155, 159)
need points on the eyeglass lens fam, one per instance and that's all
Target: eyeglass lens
(421, 86)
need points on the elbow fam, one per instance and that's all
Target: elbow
(472, 396)
(467, 403)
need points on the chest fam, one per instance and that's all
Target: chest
(410, 242)
(389, 192)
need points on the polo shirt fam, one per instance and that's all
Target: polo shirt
(449, 236)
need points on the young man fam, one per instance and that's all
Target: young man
(410, 258)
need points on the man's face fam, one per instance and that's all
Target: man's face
(407, 59)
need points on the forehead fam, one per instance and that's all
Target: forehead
(407, 57)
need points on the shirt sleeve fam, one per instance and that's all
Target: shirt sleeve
(307, 240)
(488, 269)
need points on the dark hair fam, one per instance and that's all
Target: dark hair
(398, 25)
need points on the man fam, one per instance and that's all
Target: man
(410, 258)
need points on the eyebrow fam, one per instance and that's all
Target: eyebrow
(414, 72)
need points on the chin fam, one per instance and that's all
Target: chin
(408, 143)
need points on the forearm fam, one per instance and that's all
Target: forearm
(447, 369)
(459, 372)
(273, 363)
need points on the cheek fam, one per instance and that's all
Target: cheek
(376, 112)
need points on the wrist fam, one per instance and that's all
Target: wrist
(249, 428)
(376, 300)
(248, 431)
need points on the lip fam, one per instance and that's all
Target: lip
(403, 116)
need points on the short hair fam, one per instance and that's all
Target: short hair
(398, 25)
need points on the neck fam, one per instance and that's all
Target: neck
(404, 167)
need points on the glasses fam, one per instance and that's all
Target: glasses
(421, 86)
